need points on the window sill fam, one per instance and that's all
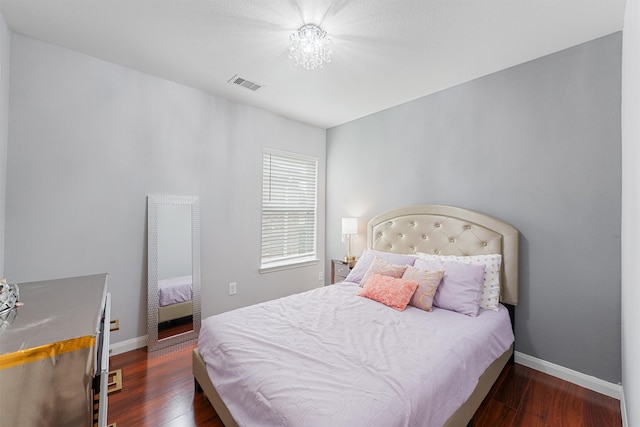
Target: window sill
(287, 265)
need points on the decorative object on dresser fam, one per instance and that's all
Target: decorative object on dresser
(349, 233)
(9, 295)
(173, 268)
(54, 356)
(340, 270)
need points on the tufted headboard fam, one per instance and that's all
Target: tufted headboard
(448, 230)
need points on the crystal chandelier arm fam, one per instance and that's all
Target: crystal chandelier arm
(310, 47)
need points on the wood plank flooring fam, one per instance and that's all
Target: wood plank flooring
(175, 327)
(525, 397)
(158, 391)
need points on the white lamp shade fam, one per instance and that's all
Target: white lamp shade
(349, 225)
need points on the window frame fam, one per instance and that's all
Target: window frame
(292, 261)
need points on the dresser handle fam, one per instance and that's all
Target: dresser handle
(114, 384)
(114, 325)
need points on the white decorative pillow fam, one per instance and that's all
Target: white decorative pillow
(490, 297)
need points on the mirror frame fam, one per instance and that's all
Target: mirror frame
(153, 202)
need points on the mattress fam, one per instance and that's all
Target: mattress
(174, 290)
(329, 357)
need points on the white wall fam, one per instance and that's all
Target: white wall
(631, 212)
(174, 241)
(5, 43)
(89, 140)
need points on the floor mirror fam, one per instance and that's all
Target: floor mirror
(173, 265)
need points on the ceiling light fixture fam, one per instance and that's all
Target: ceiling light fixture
(310, 47)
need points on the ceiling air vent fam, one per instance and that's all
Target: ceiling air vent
(245, 83)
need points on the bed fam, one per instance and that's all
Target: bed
(363, 385)
(174, 296)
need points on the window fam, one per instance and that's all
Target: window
(289, 183)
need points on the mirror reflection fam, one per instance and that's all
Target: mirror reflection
(173, 270)
(175, 307)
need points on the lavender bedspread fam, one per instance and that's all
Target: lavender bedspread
(174, 290)
(330, 358)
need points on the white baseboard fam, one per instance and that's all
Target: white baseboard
(128, 345)
(623, 410)
(575, 377)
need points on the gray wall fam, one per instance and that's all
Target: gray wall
(631, 212)
(88, 140)
(537, 145)
(5, 43)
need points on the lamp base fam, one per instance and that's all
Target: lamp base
(350, 259)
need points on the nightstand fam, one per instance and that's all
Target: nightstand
(340, 270)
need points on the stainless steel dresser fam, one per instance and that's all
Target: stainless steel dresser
(54, 354)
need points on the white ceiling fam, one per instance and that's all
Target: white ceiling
(385, 52)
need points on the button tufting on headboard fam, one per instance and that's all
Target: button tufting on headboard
(446, 230)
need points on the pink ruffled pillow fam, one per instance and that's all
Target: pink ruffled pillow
(428, 281)
(390, 291)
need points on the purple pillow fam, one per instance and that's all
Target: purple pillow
(364, 262)
(461, 285)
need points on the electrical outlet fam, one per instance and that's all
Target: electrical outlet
(233, 288)
(320, 276)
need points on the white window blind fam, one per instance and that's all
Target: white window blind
(289, 183)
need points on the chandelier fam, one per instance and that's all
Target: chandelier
(310, 47)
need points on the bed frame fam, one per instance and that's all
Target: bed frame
(434, 229)
(175, 311)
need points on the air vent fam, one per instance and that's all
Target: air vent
(245, 83)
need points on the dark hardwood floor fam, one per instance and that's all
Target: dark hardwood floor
(158, 391)
(175, 327)
(525, 397)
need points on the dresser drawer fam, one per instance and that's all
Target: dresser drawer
(50, 356)
(342, 271)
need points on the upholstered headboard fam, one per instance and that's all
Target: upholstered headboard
(448, 230)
